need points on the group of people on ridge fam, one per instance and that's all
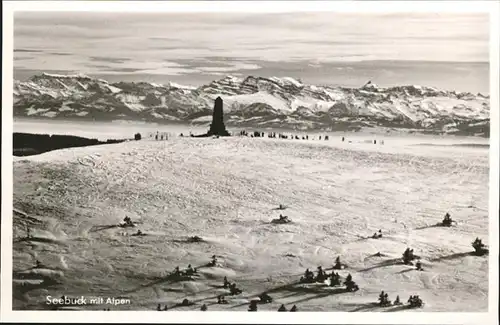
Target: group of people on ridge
(161, 136)
(274, 135)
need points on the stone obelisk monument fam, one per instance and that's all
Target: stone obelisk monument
(217, 127)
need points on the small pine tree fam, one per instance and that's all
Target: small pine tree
(415, 301)
(253, 306)
(381, 298)
(479, 247)
(408, 256)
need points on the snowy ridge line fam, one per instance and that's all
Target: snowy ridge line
(257, 101)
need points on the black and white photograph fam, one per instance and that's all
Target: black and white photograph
(198, 157)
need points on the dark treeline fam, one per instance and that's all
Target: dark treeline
(27, 144)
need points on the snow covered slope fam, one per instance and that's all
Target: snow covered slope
(256, 101)
(226, 191)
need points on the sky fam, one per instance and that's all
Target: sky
(319, 48)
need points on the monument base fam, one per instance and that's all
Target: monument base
(221, 133)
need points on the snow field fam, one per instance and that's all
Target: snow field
(226, 191)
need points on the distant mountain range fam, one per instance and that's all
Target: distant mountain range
(256, 102)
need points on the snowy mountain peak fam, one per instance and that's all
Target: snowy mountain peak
(370, 85)
(178, 86)
(79, 76)
(288, 80)
(231, 78)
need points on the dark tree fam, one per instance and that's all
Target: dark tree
(253, 306)
(408, 256)
(479, 247)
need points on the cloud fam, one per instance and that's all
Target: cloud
(219, 43)
(60, 53)
(108, 59)
(123, 69)
(232, 67)
(27, 51)
(22, 58)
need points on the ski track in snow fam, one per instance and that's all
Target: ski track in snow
(225, 190)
